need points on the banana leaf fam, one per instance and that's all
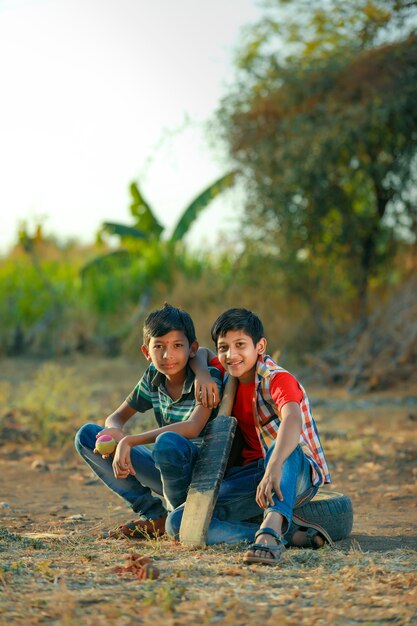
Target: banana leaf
(145, 219)
(199, 203)
(122, 230)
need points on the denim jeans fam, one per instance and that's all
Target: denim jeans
(135, 490)
(165, 470)
(230, 522)
(175, 457)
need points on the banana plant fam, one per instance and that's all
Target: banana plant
(146, 231)
(146, 226)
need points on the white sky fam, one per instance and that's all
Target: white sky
(95, 93)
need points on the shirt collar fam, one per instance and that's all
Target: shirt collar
(262, 368)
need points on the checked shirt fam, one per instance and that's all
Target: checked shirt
(268, 418)
(151, 393)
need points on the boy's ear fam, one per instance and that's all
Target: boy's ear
(261, 346)
(193, 349)
(145, 352)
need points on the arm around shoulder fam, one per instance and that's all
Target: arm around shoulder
(206, 388)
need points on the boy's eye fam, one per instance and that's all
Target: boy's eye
(222, 348)
(179, 345)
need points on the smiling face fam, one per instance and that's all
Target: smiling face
(170, 354)
(238, 354)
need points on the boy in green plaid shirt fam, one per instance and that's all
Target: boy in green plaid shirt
(137, 473)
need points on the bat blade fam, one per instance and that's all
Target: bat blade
(208, 472)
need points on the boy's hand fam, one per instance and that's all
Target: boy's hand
(122, 465)
(117, 435)
(206, 391)
(269, 484)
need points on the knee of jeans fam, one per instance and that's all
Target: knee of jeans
(169, 447)
(221, 513)
(173, 523)
(86, 436)
(297, 453)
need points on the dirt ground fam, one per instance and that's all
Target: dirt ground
(56, 569)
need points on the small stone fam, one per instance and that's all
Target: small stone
(5, 505)
(40, 465)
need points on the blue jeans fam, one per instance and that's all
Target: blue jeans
(165, 470)
(230, 523)
(175, 456)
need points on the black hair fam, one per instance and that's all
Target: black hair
(162, 321)
(238, 319)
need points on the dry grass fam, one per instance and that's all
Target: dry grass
(69, 579)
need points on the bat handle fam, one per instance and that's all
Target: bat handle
(228, 397)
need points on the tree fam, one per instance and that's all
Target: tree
(325, 131)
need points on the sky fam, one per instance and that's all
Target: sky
(97, 93)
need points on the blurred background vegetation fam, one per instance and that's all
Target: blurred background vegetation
(321, 131)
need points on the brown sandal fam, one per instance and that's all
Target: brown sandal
(139, 529)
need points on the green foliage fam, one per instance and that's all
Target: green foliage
(113, 283)
(114, 259)
(304, 32)
(46, 309)
(26, 298)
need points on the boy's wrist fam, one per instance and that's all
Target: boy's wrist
(113, 426)
(133, 440)
(276, 462)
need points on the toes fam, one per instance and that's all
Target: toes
(262, 554)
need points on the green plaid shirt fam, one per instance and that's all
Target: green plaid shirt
(151, 393)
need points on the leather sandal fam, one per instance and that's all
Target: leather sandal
(275, 552)
(138, 529)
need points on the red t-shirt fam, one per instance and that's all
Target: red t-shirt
(243, 411)
(284, 388)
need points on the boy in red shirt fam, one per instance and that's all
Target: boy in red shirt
(282, 461)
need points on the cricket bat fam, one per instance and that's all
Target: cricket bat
(209, 471)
